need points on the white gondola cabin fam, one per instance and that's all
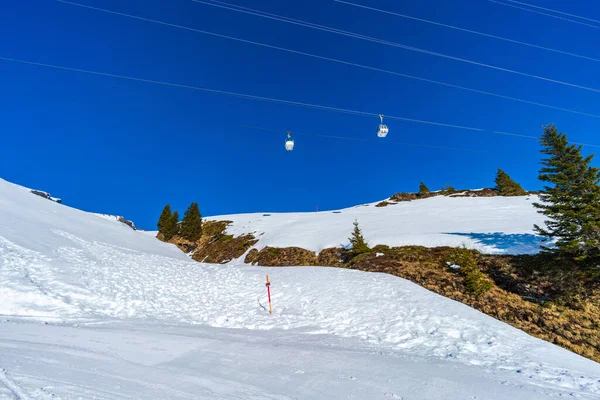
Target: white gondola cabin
(383, 129)
(289, 143)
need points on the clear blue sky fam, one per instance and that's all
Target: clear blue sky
(128, 148)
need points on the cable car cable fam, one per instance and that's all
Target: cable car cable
(388, 43)
(261, 98)
(489, 35)
(554, 11)
(546, 14)
(254, 127)
(252, 97)
(343, 62)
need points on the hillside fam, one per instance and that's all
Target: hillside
(127, 316)
(496, 225)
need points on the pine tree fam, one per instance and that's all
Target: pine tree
(357, 240)
(571, 201)
(505, 186)
(164, 216)
(191, 225)
(423, 189)
(171, 227)
(449, 189)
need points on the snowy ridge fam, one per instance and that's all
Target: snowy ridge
(62, 264)
(496, 225)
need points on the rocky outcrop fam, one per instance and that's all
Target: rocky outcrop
(127, 222)
(401, 197)
(45, 195)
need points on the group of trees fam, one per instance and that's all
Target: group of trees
(570, 201)
(505, 186)
(189, 228)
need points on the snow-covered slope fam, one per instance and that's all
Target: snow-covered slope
(132, 317)
(488, 224)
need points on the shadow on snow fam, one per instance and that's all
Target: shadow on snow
(517, 243)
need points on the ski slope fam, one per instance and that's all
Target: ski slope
(496, 225)
(126, 316)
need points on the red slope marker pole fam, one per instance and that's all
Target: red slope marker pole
(268, 284)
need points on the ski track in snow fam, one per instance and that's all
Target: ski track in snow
(15, 390)
(61, 264)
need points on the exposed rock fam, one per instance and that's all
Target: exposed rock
(476, 193)
(126, 222)
(45, 195)
(404, 197)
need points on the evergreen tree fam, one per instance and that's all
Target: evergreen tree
(171, 227)
(505, 186)
(357, 240)
(449, 189)
(191, 225)
(164, 216)
(423, 189)
(571, 200)
(475, 281)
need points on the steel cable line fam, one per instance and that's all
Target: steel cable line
(554, 11)
(387, 43)
(466, 30)
(281, 101)
(546, 14)
(242, 95)
(342, 62)
(278, 131)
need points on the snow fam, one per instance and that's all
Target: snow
(496, 225)
(127, 316)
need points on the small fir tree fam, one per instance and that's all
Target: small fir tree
(505, 186)
(423, 189)
(171, 227)
(474, 280)
(570, 200)
(191, 225)
(449, 189)
(164, 216)
(357, 240)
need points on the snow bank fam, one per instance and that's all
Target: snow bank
(495, 225)
(488, 224)
(63, 263)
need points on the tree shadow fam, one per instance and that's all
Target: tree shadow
(516, 243)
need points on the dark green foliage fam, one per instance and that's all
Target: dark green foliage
(357, 240)
(191, 225)
(505, 186)
(571, 200)
(475, 281)
(171, 227)
(164, 216)
(449, 189)
(423, 189)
